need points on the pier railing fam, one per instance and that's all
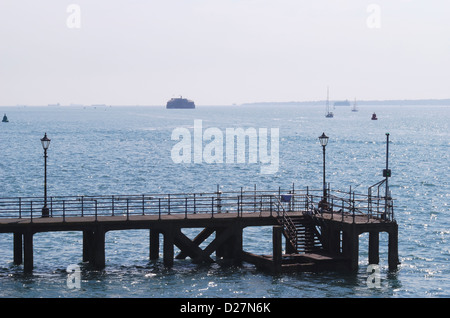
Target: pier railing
(278, 203)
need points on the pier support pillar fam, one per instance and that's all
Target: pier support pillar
(374, 254)
(393, 248)
(277, 251)
(18, 248)
(231, 247)
(154, 245)
(88, 246)
(238, 245)
(168, 247)
(350, 247)
(99, 248)
(221, 251)
(28, 252)
(332, 239)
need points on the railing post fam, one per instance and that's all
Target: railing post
(378, 206)
(51, 206)
(307, 199)
(212, 207)
(128, 212)
(168, 203)
(159, 208)
(31, 211)
(185, 207)
(82, 205)
(260, 204)
(332, 205)
(271, 205)
(95, 210)
(112, 205)
(20, 208)
(353, 206)
(238, 206)
(219, 200)
(328, 191)
(254, 199)
(292, 203)
(64, 211)
(143, 205)
(195, 205)
(241, 200)
(392, 210)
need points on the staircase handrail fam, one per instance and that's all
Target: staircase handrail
(287, 223)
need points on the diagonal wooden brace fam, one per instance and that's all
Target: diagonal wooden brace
(199, 239)
(190, 248)
(219, 240)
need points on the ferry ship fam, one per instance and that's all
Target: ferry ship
(180, 103)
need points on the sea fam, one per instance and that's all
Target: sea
(112, 150)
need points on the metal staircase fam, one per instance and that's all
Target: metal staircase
(308, 238)
(300, 231)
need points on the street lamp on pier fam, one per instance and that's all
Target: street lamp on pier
(45, 144)
(324, 141)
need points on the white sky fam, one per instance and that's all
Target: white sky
(219, 52)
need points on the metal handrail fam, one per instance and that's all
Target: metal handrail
(286, 222)
(254, 201)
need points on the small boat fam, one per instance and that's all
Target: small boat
(354, 109)
(374, 116)
(328, 114)
(5, 119)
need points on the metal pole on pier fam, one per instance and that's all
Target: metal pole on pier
(386, 174)
(323, 142)
(45, 143)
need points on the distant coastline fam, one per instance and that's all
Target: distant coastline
(403, 102)
(339, 103)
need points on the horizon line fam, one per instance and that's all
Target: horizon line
(446, 100)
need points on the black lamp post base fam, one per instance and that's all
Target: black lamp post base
(45, 212)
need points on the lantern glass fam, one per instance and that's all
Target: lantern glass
(323, 139)
(45, 142)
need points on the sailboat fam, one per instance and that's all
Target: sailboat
(354, 109)
(5, 119)
(328, 114)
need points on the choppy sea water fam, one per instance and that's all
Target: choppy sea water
(127, 150)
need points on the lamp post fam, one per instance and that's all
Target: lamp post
(45, 143)
(324, 141)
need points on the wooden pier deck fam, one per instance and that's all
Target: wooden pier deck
(315, 238)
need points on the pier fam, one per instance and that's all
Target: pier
(312, 230)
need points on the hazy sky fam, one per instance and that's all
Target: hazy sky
(219, 52)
